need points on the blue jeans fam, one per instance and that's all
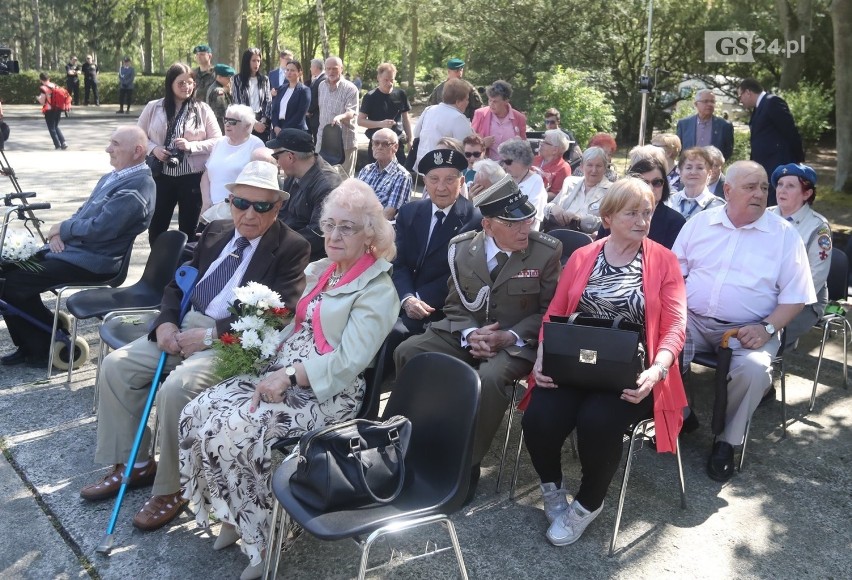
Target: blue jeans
(52, 118)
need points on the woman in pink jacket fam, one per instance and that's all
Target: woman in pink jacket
(498, 121)
(628, 275)
(181, 133)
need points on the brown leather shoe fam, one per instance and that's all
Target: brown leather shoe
(158, 511)
(108, 487)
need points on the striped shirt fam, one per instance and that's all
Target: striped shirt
(336, 101)
(124, 173)
(391, 184)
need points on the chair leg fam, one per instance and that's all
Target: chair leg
(155, 432)
(102, 351)
(846, 326)
(508, 433)
(630, 449)
(451, 529)
(783, 401)
(273, 550)
(745, 443)
(517, 466)
(72, 348)
(53, 332)
(680, 475)
(825, 331)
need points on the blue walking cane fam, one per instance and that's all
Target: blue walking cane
(185, 278)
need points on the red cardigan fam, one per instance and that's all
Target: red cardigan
(665, 323)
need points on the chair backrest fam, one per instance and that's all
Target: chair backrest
(571, 241)
(440, 396)
(121, 276)
(164, 259)
(838, 275)
(374, 376)
(332, 144)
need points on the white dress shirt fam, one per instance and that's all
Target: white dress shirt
(218, 307)
(741, 275)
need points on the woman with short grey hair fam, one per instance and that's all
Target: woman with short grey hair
(516, 157)
(487, 174)
(229, 156)
(549, 162)
(498, 122)
(577, 207)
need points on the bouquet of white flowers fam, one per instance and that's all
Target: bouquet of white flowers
(19, 248)
(256, 333)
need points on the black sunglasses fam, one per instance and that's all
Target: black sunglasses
(259, 206)
(506, 161)
(278, 154)
(470, 154)
(231, 122)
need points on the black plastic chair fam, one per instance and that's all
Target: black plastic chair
(332, 144)
(837, 290)
(571, 241)
(145, 294)
(440, 395)
(59, 352)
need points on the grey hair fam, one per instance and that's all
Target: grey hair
(490, 170)
(641, 152)
(715, 155)
(702, 92)
(359, 198)
(386, 133)
(499, 89)
(336, 60)
(561, 139)
(593, 153)
(317, 63)
(241, 112)
(518, 150)
(302, 155)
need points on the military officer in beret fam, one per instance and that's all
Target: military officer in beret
(203, 73)
(501, 282)
(218, 95)
(795, 189)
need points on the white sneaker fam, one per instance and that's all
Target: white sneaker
(570, 525)
(555, 500)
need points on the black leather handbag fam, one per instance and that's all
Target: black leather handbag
(351, 464)
(593, 353)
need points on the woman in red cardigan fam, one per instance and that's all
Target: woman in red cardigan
(624, 274)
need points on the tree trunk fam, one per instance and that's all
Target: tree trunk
(796, 22)
(161, 37)
(147, 41)
(276, 19)
(323, 30)
(841, 16)
(367, 48)
(244, 29)
(224, 29)
(415, 44)
(37, 34)
(342, 30)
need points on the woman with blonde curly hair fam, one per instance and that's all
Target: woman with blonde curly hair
(347, 309)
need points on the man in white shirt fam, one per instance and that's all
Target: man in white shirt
(745, 268)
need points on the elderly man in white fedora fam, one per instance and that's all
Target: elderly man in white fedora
(256, 247)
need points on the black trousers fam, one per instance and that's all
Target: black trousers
(72, 84)
(52, 119)
(125, 98)
(600, 418)
(91, 86)
(23, 289)
(185, 193)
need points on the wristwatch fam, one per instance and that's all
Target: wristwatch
(769, 327)
(290, 371)
(208, 337)
(664, 372)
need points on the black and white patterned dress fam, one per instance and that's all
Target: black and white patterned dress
(225, 455)
(615, 291)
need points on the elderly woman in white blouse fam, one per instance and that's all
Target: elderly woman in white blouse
(516, 157)
(228, 157)
(577, 206)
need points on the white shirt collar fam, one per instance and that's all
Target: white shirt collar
(491, 249)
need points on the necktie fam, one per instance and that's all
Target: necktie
(209, 288)
(502, 258)
(439, 216)
(687, 206)
(790, 219)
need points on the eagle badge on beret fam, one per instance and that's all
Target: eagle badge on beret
(438, 158)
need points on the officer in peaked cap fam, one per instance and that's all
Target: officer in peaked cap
(501, 281)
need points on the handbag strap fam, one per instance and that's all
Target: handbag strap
(355, 447)
(616, 322)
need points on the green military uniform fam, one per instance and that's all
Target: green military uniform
(219, 99)
(203, 81)
(516, 299)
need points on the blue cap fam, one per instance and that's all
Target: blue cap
(806, 172)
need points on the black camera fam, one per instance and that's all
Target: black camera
(175, 156)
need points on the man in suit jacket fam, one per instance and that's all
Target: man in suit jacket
(317, 76)
(254, 247)
(420, 270)
(88, 247)
(705, 128)
(775, 140)
(277, 77)
(501, 282)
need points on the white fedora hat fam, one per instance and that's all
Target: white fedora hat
(260, 174)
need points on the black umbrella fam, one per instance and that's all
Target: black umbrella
(723, 365)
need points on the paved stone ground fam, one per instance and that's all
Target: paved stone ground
(786, 515)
